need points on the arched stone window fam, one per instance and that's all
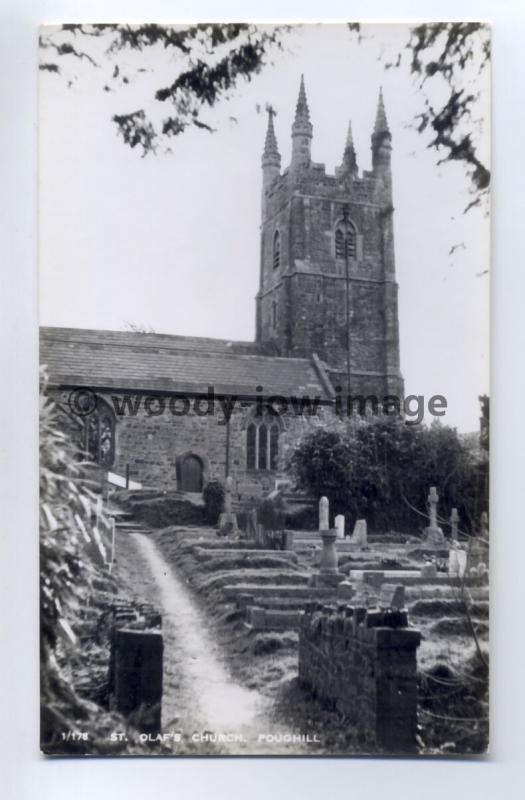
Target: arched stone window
(262, 444)
(99, 435)
(345, 233)
(276, 250)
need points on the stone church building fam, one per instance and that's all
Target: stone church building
(177, 411)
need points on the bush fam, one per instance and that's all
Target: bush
(381, 469)
(213, 496)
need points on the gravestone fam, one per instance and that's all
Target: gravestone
(392, 596)
(457, 562)
(228, 520)
(359, 535)
(340, 526)
(454, 519)
(324, 512)
(345, 590)
(428, 570)
(433, 533)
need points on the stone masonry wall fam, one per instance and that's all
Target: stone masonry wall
(362, 663)
(153, 444)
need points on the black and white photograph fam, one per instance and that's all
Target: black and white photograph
(264, 278)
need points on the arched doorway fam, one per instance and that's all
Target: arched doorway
(191, 474)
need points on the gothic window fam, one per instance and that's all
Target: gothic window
(345, 233)
(276, 250)
(262, 462)
(99, 435)
(262, 445)
(251, 446)
(274, 315)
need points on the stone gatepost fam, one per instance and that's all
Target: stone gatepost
(228, 520)
(136, 677)
(395, 672)
(454, 520)
(324, 514)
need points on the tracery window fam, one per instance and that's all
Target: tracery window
(99, 435)
(262, 445)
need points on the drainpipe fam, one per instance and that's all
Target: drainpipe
(227, 455)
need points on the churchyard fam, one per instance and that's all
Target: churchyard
(376, 643)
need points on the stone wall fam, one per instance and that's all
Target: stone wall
(362, 663)
(154, 445)
(302, 301)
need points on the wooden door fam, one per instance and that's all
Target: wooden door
(191, 474)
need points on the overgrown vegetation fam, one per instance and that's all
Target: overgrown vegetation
(213, 496)
(73, 591)
(381, 469)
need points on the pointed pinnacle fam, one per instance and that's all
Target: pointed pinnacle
(349, 144)
(349, 156)
(270, 143)
(381, 124)
(302, 112)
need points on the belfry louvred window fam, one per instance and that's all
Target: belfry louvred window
(262, 445)
(345, 240)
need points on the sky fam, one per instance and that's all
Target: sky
(171, 241)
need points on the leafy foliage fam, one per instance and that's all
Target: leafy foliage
(382, 469)
(70, 546)
(212, 58)
(452, 54)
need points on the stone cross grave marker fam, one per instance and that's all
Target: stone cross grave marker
(433, 533)
(228, 520)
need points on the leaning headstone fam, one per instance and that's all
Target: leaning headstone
(454, 519)
(340, 526)
(433, 533)
(392, 596)
(324, 520)
(359, 535)
(228, 520)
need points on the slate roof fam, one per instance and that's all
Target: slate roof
(160, 362)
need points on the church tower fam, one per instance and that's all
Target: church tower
(327, 277)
